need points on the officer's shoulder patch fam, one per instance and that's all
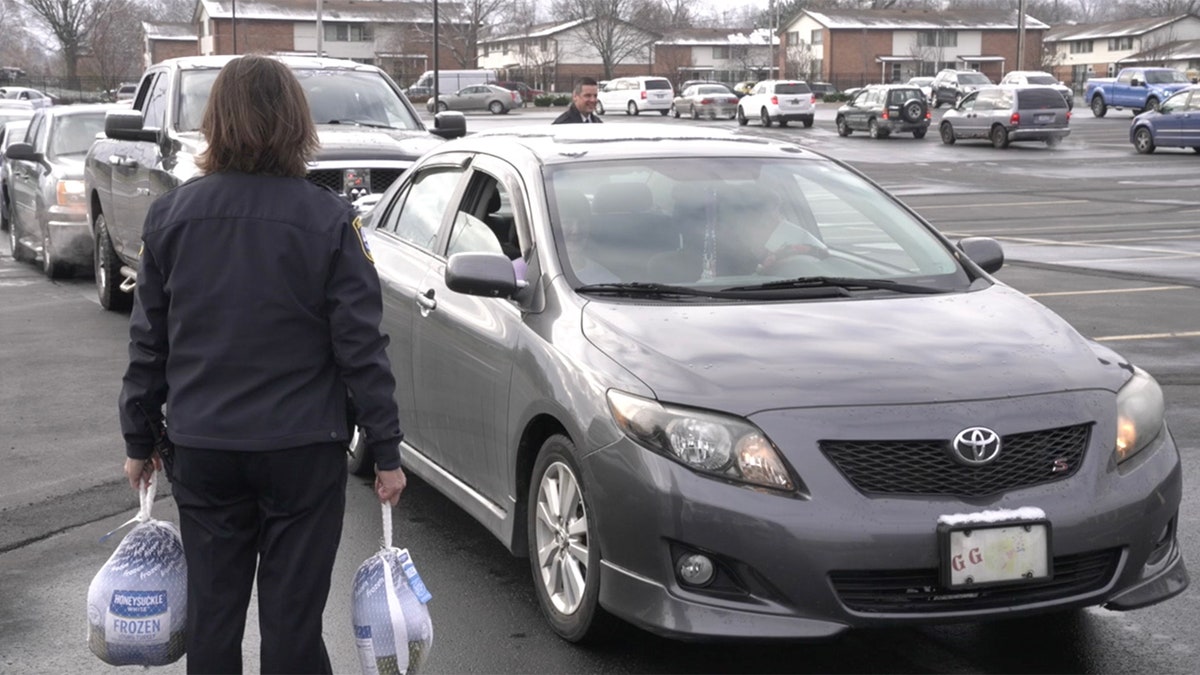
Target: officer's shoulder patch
(362, 238)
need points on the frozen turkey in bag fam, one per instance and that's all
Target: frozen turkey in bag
(137, 602)
(392, 626)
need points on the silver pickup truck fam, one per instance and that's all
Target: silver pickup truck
(369, 134)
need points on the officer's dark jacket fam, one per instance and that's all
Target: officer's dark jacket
(257, 306)
(572, 116)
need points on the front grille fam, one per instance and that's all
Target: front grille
(926, 467)
(918, 591)
(381, 179)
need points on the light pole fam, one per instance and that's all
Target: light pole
(234, 21)
(320, 29)
(436, 76)
(1021, 35)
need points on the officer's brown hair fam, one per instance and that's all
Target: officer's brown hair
(257, 121)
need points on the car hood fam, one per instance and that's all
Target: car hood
(744, 358)
(339, 142)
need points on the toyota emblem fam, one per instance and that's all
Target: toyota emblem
(976, 446)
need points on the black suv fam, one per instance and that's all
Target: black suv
(950, 86)
(880, 109)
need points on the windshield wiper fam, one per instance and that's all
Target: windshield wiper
(361, 123)
(645, 288)
(847, 283)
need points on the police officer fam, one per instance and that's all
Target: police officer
(583, 104)
(257, 311)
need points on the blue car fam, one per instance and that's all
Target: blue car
(1176, 124)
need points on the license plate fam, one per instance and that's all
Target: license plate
(975, 556)
(1043, 118)
(795, 101)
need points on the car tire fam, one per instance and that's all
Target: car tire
(599, 108)
(1098, 106)
(808, 122)
(674, 111)
(108, 271)
(1143, 141)
(999, 137)
(662, 112)
(873, 129)
(783, 123)
(946, 131)
(19, 252)
(632, 109)
(919, 133)
(360, 461)
(441, 106)
(1151, 104)
(912, 111)
(695, 113)
(496, 107)
(53, 267)
(741, 117)
(559, 546)
(843, 128)
(765, 117)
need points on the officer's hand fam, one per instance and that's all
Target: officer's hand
(139, 471)
(389, 485)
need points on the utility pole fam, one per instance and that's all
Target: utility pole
(234, 22)
(1021, 35)
(320, 29)
(436, 75)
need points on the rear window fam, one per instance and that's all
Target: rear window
(1040, 99)
(658, 84)
(902, 95)
(793, 88)
(1040, 79)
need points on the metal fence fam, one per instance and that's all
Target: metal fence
(79, 90)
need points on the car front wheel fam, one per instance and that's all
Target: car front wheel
(765, 117)
(108, 271)
(741, 117)
(843, 128)
(1143, 141)
(631, 109)
(52, 266)
(947, 133)
(564, 551)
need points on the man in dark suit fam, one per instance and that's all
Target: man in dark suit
(583, 104)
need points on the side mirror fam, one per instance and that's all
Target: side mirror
(983, 251)
(487, 274)
(1137, 83)
(449, 124)
(23, 151)
(126, 125)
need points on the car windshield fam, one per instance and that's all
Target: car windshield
(334, 95)
(73, 134)
(972, 78)
(1165, 77)
(729, 222)
(792, 88)
(1040, 79)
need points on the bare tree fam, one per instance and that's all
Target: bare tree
(610, 30)
(461, 26)
(1133, 9)
(799, 62)
(70, 22)
(115, 56)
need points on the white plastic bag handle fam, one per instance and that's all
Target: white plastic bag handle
(387, 524)
(146, 502)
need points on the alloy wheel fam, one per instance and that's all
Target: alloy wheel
(562, 538)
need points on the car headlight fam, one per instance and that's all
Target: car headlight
(69, 192)
(706, 442)
(1140, 410)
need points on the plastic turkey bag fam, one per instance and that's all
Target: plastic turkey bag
(392, 626)
(137, 602)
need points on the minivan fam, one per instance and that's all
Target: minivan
(635, 94)
(1007, 114)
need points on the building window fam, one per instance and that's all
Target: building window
(937, 38)
(1081, 47)
(1117, 44)
(818, 37)
(793, 39)
(720, 52)
(348, 32)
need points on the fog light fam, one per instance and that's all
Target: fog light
(695, 569)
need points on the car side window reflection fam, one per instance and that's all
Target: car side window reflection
(417, 217)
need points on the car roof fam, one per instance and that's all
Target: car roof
(570, 143)
(81, 108)
(292, 61)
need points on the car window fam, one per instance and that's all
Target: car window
(658, 84)
(1040, 79)
(73, 134)
(968, 102)
(792, 88)
(484, 222)
(972, 78)
(1165, 77)
(154, 110)
(987, 100)
(1194, 103)
(1041, 99)
(417, 215)
(712, 89)
(1126, 76)
(35, 127)
(899, 96)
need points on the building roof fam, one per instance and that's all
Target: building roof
(1179, 50)
(538, 31)
(1108, 29)
(921, 19)
(719, 37)
(184, 31)
(383, 11)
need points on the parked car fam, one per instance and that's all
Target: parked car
(880, 109)
(47, 207)
(820, 89)
(125, 91)
(951, 86)
(1138, 89)
(1175, 124)
(1008, 114)
(1043, 78)
(772, 425)
(369, 133)
(36, 98)
(527, 92)
(10, 132)
(490, 97)
(780, 101)
(925, 84)
(742, 88)
(705, 100)
(635, 94)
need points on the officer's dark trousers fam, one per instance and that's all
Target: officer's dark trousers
(280, 511)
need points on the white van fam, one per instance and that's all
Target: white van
(635, 94)
(449, 81)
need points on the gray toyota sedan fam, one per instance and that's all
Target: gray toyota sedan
(725, 387)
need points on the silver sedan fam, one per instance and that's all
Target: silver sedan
(705, 100)
(493, 98)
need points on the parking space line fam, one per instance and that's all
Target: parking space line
(1004, 204)
(1064, 228)
(1148, 336)
(1153, 253)
(1109, 291)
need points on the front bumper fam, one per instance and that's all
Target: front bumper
(798, 564)
(70, 237)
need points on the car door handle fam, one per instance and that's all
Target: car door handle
(119, 160)
(426, 302)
